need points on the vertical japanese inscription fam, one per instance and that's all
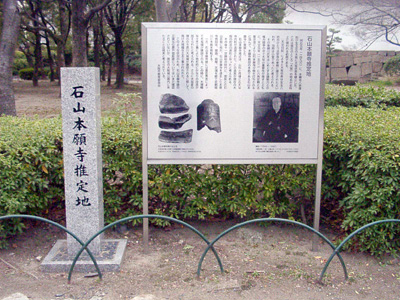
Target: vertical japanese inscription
(80, 89)
(80, 153)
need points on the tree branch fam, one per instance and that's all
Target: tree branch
(307, 11)
(95, 9)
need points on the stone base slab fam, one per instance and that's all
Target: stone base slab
(109, 259)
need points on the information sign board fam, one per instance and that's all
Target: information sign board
(232, 93)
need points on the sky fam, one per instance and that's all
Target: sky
(350, 40)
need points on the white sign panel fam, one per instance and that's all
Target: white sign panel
(232, 93)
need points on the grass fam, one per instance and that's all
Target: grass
(380, 83)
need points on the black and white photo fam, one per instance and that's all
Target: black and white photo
(276, 118)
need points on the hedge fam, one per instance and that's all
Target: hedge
(361, 176)
(30, 168)
(31, 152)
(20, 62)
(27, 74)
(362, 171)
(392, 65)
(361, 95)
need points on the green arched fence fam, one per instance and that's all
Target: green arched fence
(210, 245)
(143, 217)
(270, 220)
(339, 248)
(60, 227)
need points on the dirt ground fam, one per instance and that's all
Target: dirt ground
(273, 262)
(45, 101)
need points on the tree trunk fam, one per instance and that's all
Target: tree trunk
(96, 41)
(109, 72)
(165, 12)
(80, 22)
(161, 10)
(8, 42)
(103, 74)
(62, 38)
(109, 59)
(24, 48)
(79, 29)
(119, 58)
(235, 9)
(194, 11)
(60, 57)
(37, 37)
(50, 58)
(38, 59)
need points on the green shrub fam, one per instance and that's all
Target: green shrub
(30, 168)
(134, 63)
(392, 66)
(380, 83)
(361, 95)
(362, 171)
(47, 72)
(20, 62)
(122, 164)
(194, 191)
(27, 74)
(361, 176)
(136, 66)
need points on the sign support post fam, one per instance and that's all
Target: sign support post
(317, 205)
(145, 207)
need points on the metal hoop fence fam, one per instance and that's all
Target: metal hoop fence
(210, 245)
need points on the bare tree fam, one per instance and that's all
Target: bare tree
(60, 33)
(117, 15)
(30, 12)
(370, 19)
(242, 11)
(228, 11)
(8, 42)
(107, 43)
(41, 21)
(24, 45)
(374, 19)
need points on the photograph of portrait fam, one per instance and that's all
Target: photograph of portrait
(276, 118)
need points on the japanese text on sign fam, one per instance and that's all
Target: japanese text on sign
(200, 61)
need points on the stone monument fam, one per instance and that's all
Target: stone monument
(83, 177)
(83, 174)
